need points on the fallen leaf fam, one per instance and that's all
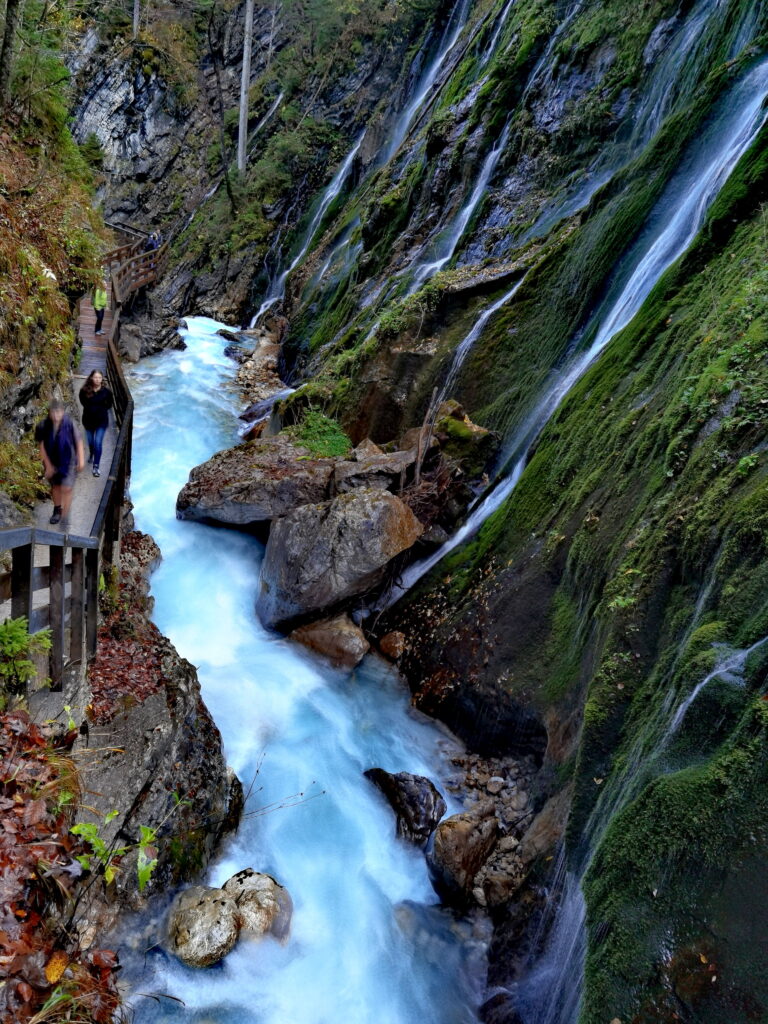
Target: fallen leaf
(56, 966)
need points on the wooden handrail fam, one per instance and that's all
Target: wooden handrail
(131, 268)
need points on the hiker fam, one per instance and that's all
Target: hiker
(99, 304)
(61, 449)
(96, 400)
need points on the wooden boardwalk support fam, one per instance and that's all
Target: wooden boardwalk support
(42, 585)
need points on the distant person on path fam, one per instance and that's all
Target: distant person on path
(61, 449)
(96, 400)
(99, 304)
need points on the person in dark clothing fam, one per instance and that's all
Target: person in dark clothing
(61, 449)
(96, 400)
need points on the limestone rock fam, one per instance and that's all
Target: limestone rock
(203, 925)
(129, 346)
(382, 471)
(462, 845)
(338, 639)
(495, 785)
(414, 799)
(263, 904)
(321, 555)
(365, 449)
(464, 440)
(254, 482)
(392, 645)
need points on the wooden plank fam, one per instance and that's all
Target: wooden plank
(77, 607)
(39, 619)
(21, 582)
(5, 587)
(57, 617)
(41, 576)
(91, 601)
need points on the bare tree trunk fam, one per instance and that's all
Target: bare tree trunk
(245, 81)
(13, 10)
(220, 119)
(136, 12)
(271, 48)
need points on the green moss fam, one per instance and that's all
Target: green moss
(321, 435)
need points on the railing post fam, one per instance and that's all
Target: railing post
(21, 581)
(91, 600)
(57, 615)
(77, 608)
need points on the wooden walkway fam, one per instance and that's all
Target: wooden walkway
(88, 488)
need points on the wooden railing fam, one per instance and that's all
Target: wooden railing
(73, 565)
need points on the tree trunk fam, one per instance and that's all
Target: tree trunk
(245, 81)
(13, 11)
(136, 12)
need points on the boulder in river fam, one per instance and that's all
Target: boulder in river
(338, 639)
(462, 845)
(203, 925)
(254, 482)
(321, 555)
(392, 644)
(263, 904)
(414, 799)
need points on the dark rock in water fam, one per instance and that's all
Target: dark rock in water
(230, 335)
(461, 847)
(203, 926)
(321, 555)
(414, 799)
(254, 482)
(338, 639)
(236, 352)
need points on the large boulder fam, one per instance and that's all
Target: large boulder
(414, 799)
(203, 925)
(461, 847)
(375, 470)
(263, 904)
(337, 639)
(321, 555)
(254, 482)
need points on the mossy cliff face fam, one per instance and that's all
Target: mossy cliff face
(589, 603)
(167, 126)
(49, 247)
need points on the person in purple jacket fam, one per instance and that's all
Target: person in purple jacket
(61, 449)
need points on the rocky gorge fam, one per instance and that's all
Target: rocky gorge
(498, 273)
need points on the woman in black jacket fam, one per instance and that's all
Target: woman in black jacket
(96, 399)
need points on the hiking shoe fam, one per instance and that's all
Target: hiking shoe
(55, 518)
(96, 471)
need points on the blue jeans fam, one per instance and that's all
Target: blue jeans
(95, 440)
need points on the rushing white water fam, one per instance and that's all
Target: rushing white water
(671, 227)
(366, 946)
(277, 289)
(445, 246)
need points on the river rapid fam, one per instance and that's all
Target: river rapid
(368, 941)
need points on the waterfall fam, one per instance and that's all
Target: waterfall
(445, 247)
(453, 30)
(491, 50)
(277, 289)
(730, 667)
(670, 229)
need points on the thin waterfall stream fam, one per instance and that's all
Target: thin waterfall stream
(368, 941)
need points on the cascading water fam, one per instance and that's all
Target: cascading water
(277, 289)
(444, 248)
(670, 229)
(453, 30)
(491, 50)
(367, 945)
